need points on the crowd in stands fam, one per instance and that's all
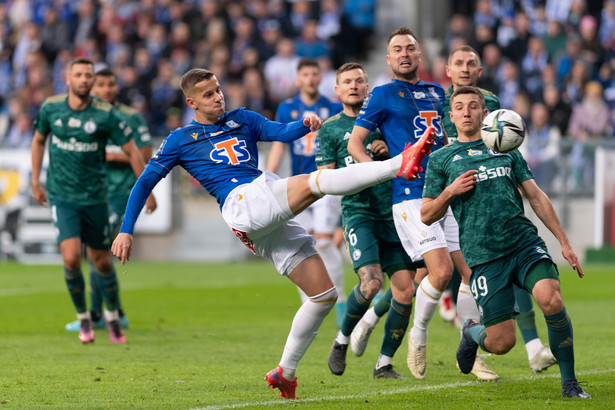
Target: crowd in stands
(550, 60)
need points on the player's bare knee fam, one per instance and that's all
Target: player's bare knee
(551, 303)
(502, 344)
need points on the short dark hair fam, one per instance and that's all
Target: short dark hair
(192, 77)
(81, 60)
(402, 31)
(307, 62)
(347, 67)
(105, 72)
(469, 89)
(467, 48)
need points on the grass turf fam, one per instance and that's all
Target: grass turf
(204, 335)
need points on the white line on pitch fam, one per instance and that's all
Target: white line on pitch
(392, 392)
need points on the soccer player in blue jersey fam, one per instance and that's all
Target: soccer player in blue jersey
(321, 218)
(501, 245)
(219, 149)
(402, 110)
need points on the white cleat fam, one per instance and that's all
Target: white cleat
(542, 360)
(417, 359)
(359, 337)
(482, 372)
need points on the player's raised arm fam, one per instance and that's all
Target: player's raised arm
(433, 209)
(356, 144)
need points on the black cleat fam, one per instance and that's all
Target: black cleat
(337, 358)
(387, 372)
(466, 352)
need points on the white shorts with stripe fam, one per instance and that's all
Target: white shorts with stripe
(259, 215)
(418, 238)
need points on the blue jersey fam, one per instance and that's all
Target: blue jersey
(224, 155)
(303, 151)
(402, 111)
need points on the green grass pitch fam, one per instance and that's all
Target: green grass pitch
(204, 335)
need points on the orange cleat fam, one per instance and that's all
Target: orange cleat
(413, 154)
(276, 381)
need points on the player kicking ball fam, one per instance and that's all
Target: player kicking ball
(500, 244)
(218, 148)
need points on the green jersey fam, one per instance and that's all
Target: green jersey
(491, 217)
(373, 203)
(120, 176)
(491, 100)
(76, 172)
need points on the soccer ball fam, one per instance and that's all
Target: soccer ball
(503, 130)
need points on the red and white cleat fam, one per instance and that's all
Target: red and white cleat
(276, 381)
(413, 155)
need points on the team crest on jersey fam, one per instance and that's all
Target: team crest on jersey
(231, 151)
(492, 152)
(474, 152)
(58, 122)
(232, 124)
(356, 254)
(74, 122)
(419, 94)
(89, 127)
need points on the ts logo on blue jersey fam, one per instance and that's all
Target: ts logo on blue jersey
(426, 119)
(231, 152)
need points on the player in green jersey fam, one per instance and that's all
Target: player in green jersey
(369, 232)
(500, 244)
(120, 180)
(464, 68)
(80, 126)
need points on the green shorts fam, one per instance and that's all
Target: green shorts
(491, 282)
(372, 242)
(90, 223)
(117, 207)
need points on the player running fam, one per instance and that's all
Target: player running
(500, 244)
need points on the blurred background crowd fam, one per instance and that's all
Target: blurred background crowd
(552, 61)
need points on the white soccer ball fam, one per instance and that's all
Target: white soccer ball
(503, 130)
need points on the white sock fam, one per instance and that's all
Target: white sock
(353, 178)
(383, 361)
(302, 295)
(425, 305)
(532, 347)
(111, 315)
(84, 315)
(341, 339)
(334, 263)
(466, 305)
(304, 329)
(370, 317)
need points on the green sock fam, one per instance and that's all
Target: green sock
(110, 288)
(478, 333)
(384, 303)
(96, 296)
(356, 306)
(76, 288)
(395, 327)
(561, 343)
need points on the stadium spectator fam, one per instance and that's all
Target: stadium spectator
(554, 40)
(541, 148)
(309, 45)
(559, 111)
(281, 71)
(361, 16)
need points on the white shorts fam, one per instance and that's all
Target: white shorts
(258, 214)
(323, 216)
(418, 238)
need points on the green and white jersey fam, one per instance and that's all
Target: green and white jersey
(120, 176)
(373, 203)
(491, 100)
(77, 142)
(490, 216)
